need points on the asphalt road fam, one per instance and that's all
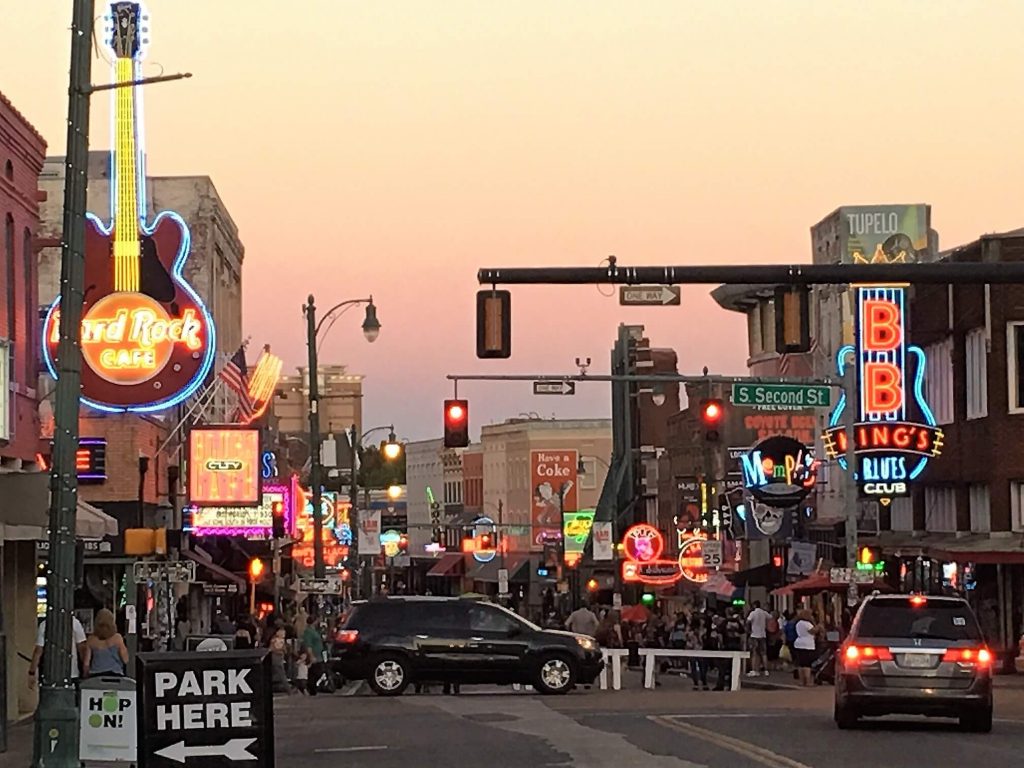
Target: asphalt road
(608, 730)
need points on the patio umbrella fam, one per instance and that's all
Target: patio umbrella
(636, 614)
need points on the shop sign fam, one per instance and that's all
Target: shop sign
(691, 560)
(779, 471)
(643, 546)
(576, 528)
(224, 467)
(891, 448)
(247, 521)
(553, 485)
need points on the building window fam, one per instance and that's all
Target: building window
(1015, 366)
(9, 170)
(5, 389)
(939, 510)
(9, 272)
(902, 514)
(981, 511)
(938, 380)
(976, 374)
(588, 479)
(1017, 506)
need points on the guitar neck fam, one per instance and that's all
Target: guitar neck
(126, 199)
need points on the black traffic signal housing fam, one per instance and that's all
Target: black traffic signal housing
(778, 565)
(712, 412)
(792, 319)
(436, 533)
(456, 423)
(277, 517)
(493, 324)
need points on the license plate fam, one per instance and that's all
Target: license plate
(918, 660)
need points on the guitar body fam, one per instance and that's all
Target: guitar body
(181, 366)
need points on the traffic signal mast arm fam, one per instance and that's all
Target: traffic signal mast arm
(935, 273)
(651, 377)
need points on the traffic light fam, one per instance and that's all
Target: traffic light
(778, 567)
(486, 542)
(792, 319)
(870, 559)
(712, 410)
(277, 515)
(493, 324)
(255, 569)
(435, 521)
(456, 423)
(403, 543)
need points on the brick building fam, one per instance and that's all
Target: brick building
(963, 527)
(23, 488)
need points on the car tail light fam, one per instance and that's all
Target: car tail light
(918, 600)
(979, 656)
(346, 636)
(857, 654)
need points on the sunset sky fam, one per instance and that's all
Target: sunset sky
(394, 148)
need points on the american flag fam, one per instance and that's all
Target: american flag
(236, 375)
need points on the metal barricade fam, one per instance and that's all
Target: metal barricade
(107, 721)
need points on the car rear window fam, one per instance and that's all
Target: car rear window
(933, 620)
(409, 617)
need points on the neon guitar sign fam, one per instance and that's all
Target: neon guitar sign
(891, 449)
(147, 340)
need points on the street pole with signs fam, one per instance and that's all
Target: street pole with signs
(55, 743)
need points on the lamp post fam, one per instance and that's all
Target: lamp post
(392, 450)
(371, 329)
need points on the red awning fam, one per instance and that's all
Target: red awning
(448, 565)
(822, 582)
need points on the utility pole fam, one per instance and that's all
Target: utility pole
(850, 475)
(55, 742)
(353, 498)
(319, 570)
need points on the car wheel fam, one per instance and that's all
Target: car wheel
(555, 675)
(977, 722)
(845, 717)
(389, 674)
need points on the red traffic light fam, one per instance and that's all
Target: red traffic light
(403, 542)
(711, 411)
(777, 561)
(456, 423)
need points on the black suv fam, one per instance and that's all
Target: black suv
(918, 655)
(391, 642)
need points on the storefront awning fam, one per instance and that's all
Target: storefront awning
(450, 564)
(758, 576)
(488, 572)
(24, 500)
(218, 572)
(822, 582)
(90, 523)
(982, 548)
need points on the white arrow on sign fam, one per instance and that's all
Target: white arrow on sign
(641, 295)
(235, 749)
(554, 387)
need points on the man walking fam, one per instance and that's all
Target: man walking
(757, 624)
(582, 621)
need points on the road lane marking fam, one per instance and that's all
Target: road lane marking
(743, 748)
(350, 749)
(721, 715)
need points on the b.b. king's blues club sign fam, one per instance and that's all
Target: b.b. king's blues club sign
(895, 433)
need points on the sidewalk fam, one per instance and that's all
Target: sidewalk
(19, 745)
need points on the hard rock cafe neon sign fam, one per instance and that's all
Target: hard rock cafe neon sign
(892, 450)
(146, 338)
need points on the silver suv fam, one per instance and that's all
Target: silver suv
(915, 655)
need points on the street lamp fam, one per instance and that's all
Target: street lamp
(394, 492)
(392, 450)
(371, 330)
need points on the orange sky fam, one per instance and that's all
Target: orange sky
(394, 148)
